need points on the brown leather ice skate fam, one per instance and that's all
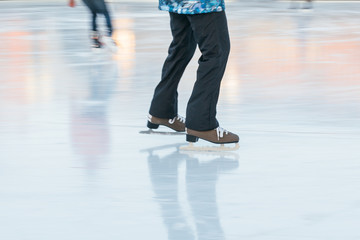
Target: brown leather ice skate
(217, 135)
(177, 123)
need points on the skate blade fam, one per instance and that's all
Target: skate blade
(150, 131)
(220, 148)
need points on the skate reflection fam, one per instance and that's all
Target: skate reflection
(200, 184)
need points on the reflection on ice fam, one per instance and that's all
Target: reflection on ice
(90, 134)
(71, 164)
(200, 182)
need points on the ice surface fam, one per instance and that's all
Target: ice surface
(74, 166)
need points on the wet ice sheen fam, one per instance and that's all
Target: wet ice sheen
(74, 166)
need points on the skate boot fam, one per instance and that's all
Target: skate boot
(217, 135)
(95, 38)
(177, 123)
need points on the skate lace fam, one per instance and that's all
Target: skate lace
(220, 132)
(178, 117)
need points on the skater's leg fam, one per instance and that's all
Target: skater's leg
(108, 23)
(92, 8)
(211, 34)
(94, 25)
(102, 8)
(95, 36)
(181, 50)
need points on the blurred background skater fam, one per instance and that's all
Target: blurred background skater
(99, 7)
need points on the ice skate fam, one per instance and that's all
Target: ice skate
(217, 136)
(96, 40)
(110, 44)
(177, 123)
(151, 131)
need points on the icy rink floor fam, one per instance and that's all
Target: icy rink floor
(74, 166)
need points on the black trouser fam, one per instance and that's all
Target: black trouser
(210, 32)
(99, 7)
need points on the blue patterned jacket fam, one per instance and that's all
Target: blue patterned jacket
(192, 6)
